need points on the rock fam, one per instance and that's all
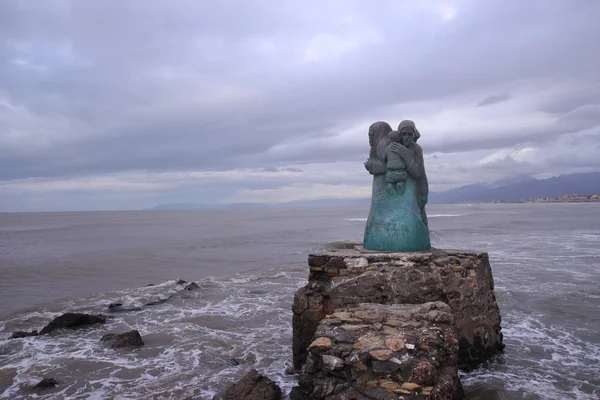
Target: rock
(368, 340)
(320, 344)
(253, 386)
(72, 321)
(388, 385)
(423, 374)
(118, 307)
(181, 282)
(46, 383)
(393, 325)
(23, 334)
(364, 362)
(381, 355)
(291, 371)
(332, 363)
(461, 279)
(410, 386)
(127, 339)
(192, 286)
(394, 343)
(157, 302)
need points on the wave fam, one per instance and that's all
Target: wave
(190, 337)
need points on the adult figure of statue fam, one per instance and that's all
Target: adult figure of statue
(397, 219)
(422, 183)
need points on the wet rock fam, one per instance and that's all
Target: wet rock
(157, 302)
(118, 307)
(192, 286)
(253, 386)
(46, 383)
(181, 282)
(23, 334)
(291, 371)
(72, 321)
(127, 339)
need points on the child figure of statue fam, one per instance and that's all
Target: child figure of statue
(396, 168)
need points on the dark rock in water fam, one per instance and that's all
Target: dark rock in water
(150, 284)
(118, 307)
(22, 334)
(181, 281)
(291, 371)
(72, 321)
(127, 339)
(192, 286)
(157, 302)
(253, 386)
(46, 383)
(233, 362)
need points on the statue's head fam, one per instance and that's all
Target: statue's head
(395, 136)
(408, 132)
(378, 130)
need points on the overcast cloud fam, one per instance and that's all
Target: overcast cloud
(106, 104)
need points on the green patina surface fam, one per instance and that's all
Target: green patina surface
(397, 220)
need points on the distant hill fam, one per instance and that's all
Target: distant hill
(512, 189)
(521, 187)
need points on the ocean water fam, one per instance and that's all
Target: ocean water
(545, 259)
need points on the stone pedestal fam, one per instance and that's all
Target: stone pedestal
(376, 351)
(459, 284)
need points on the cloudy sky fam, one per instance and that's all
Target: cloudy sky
(110, 104)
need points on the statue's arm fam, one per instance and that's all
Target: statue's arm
(417, 169)
(375, 166)
(413, 158)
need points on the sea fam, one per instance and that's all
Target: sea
(248, 263)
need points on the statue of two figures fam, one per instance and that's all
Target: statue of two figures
(397, 219)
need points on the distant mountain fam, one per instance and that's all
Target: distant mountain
(521, 187)
(513, 189)
(510, 181)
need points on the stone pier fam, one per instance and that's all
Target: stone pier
(371, 324)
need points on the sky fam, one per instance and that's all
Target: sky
(107, 104)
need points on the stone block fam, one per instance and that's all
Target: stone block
(418, 360)
(461, 279)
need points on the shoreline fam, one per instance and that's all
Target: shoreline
(569, 198)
